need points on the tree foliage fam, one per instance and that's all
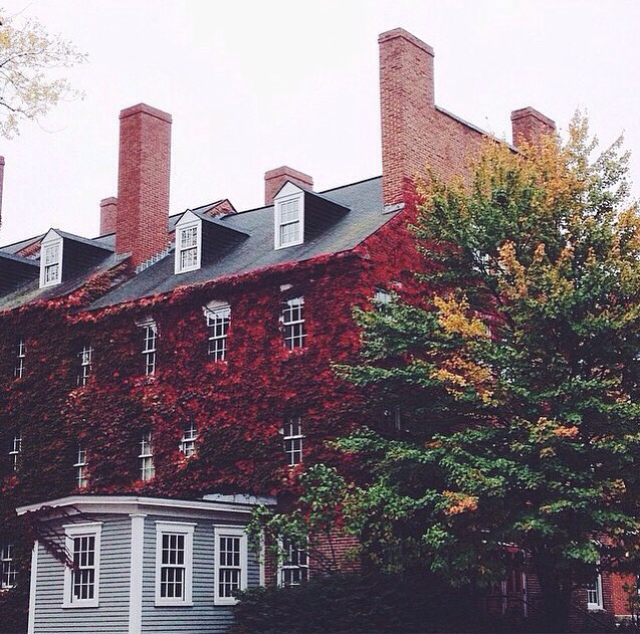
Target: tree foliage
(30, 84)
(518, 376)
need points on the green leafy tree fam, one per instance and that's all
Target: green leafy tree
(30, 79)
(518, 377)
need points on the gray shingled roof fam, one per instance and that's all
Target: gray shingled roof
(366, 215)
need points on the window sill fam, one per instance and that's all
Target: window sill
(173, 604)
(81, 604)
(227, 602)
(595, 608)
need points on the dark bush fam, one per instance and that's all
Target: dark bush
(351, 603)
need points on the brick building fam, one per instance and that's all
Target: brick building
(163, 378)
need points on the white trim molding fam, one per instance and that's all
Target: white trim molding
(136, 579)
(175, 529)
(31, 628)
(72, 532)
(241, 567)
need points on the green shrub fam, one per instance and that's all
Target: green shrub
(352, 603)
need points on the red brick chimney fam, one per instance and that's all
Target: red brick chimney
(274, 179)
(143, 182)
(407, 109)
(528, 125)
(108, 215)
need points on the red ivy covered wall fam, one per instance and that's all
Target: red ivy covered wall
(238, 406)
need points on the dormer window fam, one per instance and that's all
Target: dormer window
(51, 260)
(289, 216)
(188, 243)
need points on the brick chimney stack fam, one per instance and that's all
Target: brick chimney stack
(407, 103)
(108, 215)
(275, 179)
(143, 182)
(528, 125)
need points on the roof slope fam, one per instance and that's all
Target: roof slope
(366, 215)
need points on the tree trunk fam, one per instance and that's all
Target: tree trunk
(556, 596)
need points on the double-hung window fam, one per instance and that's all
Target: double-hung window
(218, 319)
(80, 466)
(293, 323)
(51, 264)
(289, 219)
(293, 440)
(382, 296)
(594, 594)
(147, 468)
(149, 345)
(294, 565)
(8, 570)
(85, 365)
(188, 247)
(15, 450)
(81, 581)
(189, 439)
(174, 563)
(20, 356)
(230, 563)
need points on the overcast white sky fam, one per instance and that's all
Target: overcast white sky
(256, 84)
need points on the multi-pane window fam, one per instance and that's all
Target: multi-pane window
(8, 570)
(147, 470)
(85, 365)
(293, 323)
(81, 467)
(188, 440)
(51, 263)
(149, 346)
(188, 248)
(174, 563)
(15, 449)
(289, 222)
(231, 563)
(218, 318)
(594, 594)
(20, 356)
(382, 295)
(294, 567)
(293, 439)
(81, 579)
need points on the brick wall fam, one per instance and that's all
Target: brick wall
(108, 215)
(143, 182)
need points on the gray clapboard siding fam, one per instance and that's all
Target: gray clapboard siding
(203, 617)
(112, 615)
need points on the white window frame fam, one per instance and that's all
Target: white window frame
(15, 452)
(85, 366)
(218, 315)
(293, 341)
(47, 243)
(291, 440)
(597, 589)
(189, 439)
(80, 465)
(284, 565)
(74, 531)
(146, 457)
(185, 529)
(149, 351)
(190, 222)
(21, 355)
(382, 296)
(237, 532)
(289, 193)
(8, 570)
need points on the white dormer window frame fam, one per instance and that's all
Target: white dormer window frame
(188, 251)
(288, 209)
(51, 249)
